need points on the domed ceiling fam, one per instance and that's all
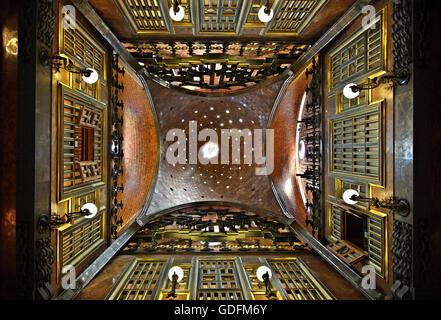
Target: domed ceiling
(180, 184)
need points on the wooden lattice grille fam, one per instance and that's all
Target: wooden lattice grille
(218, 280)
(356, 144)
(89, 118)
(292, 15)
(78, 202)
(139, 281)
(78, 241)
(71, 108)
(77, 45)
(89, 170)
(297, 281)
(335, 222)
(346, 251)
(362, 56)
(219, 15)
(376, 242)
(147, 15)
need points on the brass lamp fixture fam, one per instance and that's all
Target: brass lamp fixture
(401, 206)
(45, 222)
(352, 90)
(264, 274)
(89, 75)
(175, 275)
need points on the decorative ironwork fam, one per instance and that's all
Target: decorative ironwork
(402, 260)
(117, 153)
(46, 19)
(309, 128)
(214, 230)
(218, 72)
(44, 261)
(185, 49)
(401, 36)
(214, 65)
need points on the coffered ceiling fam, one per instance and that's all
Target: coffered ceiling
(302, 20)
(224, 17)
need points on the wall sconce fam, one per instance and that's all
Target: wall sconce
(265, 13)
(175, 275)
(264, 274)
(401, 206)
(88, 75)
(177, 12)
(45, 222)
(352, 90)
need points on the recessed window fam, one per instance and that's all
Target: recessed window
(356, 230)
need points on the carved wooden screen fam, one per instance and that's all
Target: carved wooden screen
(377, 242)
(76, 242)
(363, 55)
(146, 16)
(336, 219)
(297, 281)
(218, 279)
(356, 144)
(346, 251)
(79, 46)
(74, 173)
(219, 16)
(294, 15)
(140, 280)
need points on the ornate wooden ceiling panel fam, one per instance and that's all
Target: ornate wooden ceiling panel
(146, 15)
(214, 65)
(292, 16)
(219, 17)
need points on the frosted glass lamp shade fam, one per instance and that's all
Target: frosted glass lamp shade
(261, 271)
(263, 16)
(178, 15)
(348, 196)
(349, 93)
(91, 208)
(179, 272)
(92, 78)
